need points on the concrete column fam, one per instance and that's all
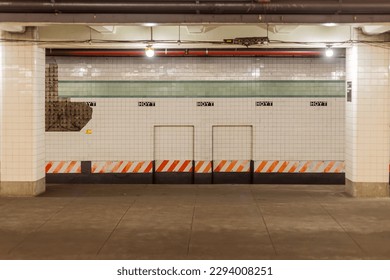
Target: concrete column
(22, 116)
(367, 119)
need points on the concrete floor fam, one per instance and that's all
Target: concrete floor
(194, 222)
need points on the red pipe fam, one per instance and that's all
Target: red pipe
(139, 53)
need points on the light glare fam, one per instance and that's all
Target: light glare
(149, 52)
(329, 52)
(329, 24)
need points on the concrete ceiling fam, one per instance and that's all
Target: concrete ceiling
(70, 28)
(196, 36)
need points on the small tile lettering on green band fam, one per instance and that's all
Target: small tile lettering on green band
(202, 89)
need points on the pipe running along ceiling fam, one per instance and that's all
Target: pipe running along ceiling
(193, 52)
(269, 7)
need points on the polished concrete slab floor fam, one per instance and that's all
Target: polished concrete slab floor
(194, 222)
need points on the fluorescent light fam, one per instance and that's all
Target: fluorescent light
(149, 51)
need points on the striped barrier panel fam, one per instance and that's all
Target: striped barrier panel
(202, 166)
(265, 166)
(294, 166)
(232, 166)
(173, 166)
(121, 166)
(54, 167)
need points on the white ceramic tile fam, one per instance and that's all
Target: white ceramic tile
(290, 130)
(367, 116)
(22, 117)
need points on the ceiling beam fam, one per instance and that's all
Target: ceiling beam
(199, 7)
(127, 19)
(104, 29)
(375, 29)
(14, 28)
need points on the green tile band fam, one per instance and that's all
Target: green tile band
(141, 89)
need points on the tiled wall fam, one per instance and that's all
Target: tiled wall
(232, 142)
(291, 129)
(250, 88)
(199, 69)
(174, 142)
(22, 115)
(200, 77)
(367, 115)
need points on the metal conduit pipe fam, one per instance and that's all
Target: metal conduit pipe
(191, 52)
(203, 7)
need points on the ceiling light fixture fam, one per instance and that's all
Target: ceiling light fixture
(150, 24)
(329, 24)
(329, 52)
(149, 51)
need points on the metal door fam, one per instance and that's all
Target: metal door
(173, 154)
(232, 154)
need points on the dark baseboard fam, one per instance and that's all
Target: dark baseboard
(108, 178)
(299, 178)
(203, 178)
(199, 178)
(232, 178)
(173, 178)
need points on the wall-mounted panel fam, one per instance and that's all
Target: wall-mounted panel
(174, 154)
(232, 154)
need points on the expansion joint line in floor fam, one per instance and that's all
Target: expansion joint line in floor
(192, 223)
(116, 226)
(263, 219)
